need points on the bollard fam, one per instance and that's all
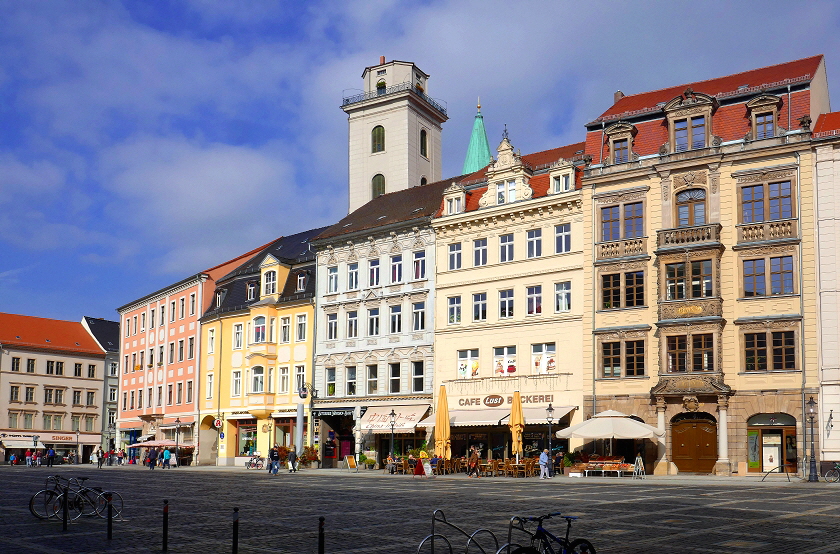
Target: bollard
(65, 508)
(166, 526)
(235, 530)
(110, 517)
(321, 535)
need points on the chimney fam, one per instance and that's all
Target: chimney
(381, 60)
(617, 95)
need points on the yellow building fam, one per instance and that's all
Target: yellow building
(257, 366)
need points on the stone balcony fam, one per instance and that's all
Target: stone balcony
(621, 248)
(768, 230)
(688, 236)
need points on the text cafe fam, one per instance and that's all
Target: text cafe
(482, 421)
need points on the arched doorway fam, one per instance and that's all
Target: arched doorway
(771, 443)
(694, 442)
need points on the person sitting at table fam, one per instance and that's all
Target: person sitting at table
(391, 464)
(412, 461)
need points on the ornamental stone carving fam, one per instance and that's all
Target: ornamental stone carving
(690, 179)
(691, 384)
(708, 307)
(765, 176)
(690, 403)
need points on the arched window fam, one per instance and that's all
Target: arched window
(691, 207)
(380, 86)
(378, 185)
(270, 282)
(377, 139)
(423, 181)
(423, 146)
(257, 379)
(259, 329)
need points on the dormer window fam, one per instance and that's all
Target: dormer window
(218, 299)
(763, 111)
(621, 149)
(505, 192)
(690, 133)
(562, 183)
(689, 118)
(453, 205)
(252, 291)
(454, 199)
(380, 86)
(301, 282)
(620, 136)
(764, 126)
(270, 282)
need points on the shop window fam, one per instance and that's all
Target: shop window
(468, 367)
(504, 360)
(543, 359)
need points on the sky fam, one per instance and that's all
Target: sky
(143, 142)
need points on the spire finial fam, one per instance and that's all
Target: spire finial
(479, 103)
(505, 133)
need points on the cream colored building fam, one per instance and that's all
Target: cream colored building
(509, 301)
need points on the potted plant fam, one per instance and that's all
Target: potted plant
(567, 463)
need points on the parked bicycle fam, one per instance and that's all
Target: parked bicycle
(256, 462)
(833, 474)
(80, 499)
(544, 542)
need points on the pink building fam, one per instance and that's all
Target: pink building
(160, 341)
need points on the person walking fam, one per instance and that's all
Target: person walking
(100, 458)
(50, 457)
(28, 458)
(120, 455)
(544, 458)
(153, 456)
(472, 463)
(274, 460)
(167, 456)
(292, 459)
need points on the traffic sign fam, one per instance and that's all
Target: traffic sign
(217, 423)
(221, 435)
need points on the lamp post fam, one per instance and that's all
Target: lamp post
(177, 438)
(78, 454)
(812, 477)
(110, 446)
(549, 417)
(392, 418)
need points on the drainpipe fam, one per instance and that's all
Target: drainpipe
(601, 157)
(801, 304)
(788, 108)
(594, 354)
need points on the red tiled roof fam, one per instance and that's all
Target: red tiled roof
(775, 75)
(550, 156)
(39, 333)
(828, 124)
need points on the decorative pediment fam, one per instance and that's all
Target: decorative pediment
(688, 100)
(352, 256)
(369, 295)
(454, 188)
(269, 261)
(507, 157)
(620, 129)
(690, 384)
(373, 251)
(331, 258)
(690, 179)
(764, 101)
(396, 248)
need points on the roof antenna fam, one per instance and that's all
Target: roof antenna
(505, 133)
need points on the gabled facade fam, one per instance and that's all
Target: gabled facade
(509, 301)
(258, 337)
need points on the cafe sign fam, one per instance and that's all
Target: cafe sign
(498, 401)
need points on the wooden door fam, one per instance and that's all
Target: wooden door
(694, 446)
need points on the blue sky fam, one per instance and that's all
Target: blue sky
(141, 142)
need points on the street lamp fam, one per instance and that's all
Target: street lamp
(78, 454)
(110, 445)
(549, 417)
(392, 418)
(812, 477)
(177, 438)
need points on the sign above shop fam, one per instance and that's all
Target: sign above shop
(217, 423)
(495, 400)
(333, 412)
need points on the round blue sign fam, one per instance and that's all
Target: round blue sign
(221, 435)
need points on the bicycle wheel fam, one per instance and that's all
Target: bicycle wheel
(581, 546)
(102, 504)
(832, 475)
(75, 505)
(41, 504)
(87, 500)
(259, 464)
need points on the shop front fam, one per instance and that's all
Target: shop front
(376, 427)
(18, 444)
(771, 443)
(334, 434)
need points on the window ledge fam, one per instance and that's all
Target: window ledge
(608, 310)
(769, 296)
(773, 371)
(635, 377)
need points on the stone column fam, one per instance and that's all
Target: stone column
(661, 466)
(722, 466)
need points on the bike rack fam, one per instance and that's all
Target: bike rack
(439, 517)
(783, 468)
(518, 524)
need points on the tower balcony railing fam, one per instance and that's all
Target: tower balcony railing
(402, 87)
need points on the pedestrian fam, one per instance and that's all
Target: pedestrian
(50, 457)
(167, 455)
(292, 459)
(100, 458)
(544, 458)
(153, 456)
(120, 456)
(274, 460)
(12, 460)
(473, 463)
(28, 458)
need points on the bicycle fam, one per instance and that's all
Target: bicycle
(833, 474)
(256, 462)
(543, 542)
(81, 500)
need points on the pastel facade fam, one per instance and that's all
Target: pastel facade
(107, 336)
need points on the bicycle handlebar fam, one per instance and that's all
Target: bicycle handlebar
(539, 519)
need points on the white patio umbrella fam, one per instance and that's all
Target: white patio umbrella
(610, 425)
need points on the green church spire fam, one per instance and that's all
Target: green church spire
(478, 153)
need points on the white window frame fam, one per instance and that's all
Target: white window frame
(479, 252)
(534, 238)
(270, 285)
(562, 183)
(418, 316)
(562, 296)
(396, 269)
(211, 341)
(209, 392)
(301, 281)
(373, 322)
(237, 336)
(372, 380)
(562, 238)
(395, 318)
(418, 375)
(373, 272)
(284, 380)
(350, 374)
(258, 329)
(479, 306)
(192, 303)
(533, 304)
(353, 276)
(419, 265)
(300, 377)
(329, 379)
(352, 324)
(300, 328)
(506, 248)
(454, 256)
(235, 384)
(332, 279)
(285, 330)
(257, 380)
(332, 326)
(453, 310)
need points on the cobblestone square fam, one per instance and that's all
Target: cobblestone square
(374, 513)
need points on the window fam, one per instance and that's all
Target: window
(182, 303)
(189, 392)
(543, 358)
(764, 126)
(782, 346)
(506, 303)
(91, 371)
(766, 202)
(237, 337)
(423, 145)
(702, 357)
(251, 291)
(505, 192)
(454, 305)
(259, 329)
(701, 280)
(563, 296)
(634, 289)
(300, 377)
(534, 296)
(209, 392)
(27, 421)
(420, 264)
(690, 353)
(455, 256)
(611, 291)
(50, 367)
(75, 423)
(377, 185)
(163, 314)
(332, 279)
(179, 393)
(59, 368)
(534, 243)
(192, 304)
(112, 394)
(506, 248)
(15, 364)
(140, 399)
(160, 355)
(127, 327)
(396, 319)
(372, 379)
(13, 420)
(373, 322)
(611, 359)
(330, 381)
(124, 403)
(301, 328)
(218, 304)
(332, 326)
(562, 183)
(270, 286)
(468, 364)
(134, 321)
(418, 316)
(373, 273)
(453, 205)
(480, 306)
(285, 329)
(160, 395)
(690, 133)
(611, 221)
(781, 276)
(621, 151)
(151, 318)
(143, 321)
(236, 383)
(77, 370)
(691, 207)
(181, 350)
(30, 365)
(352, 324)
(90, 398)
(562, 238)
(257, 379)
(353, 276)
(394, 381)
(350, 372)
(89, 423)
(172, 311)
(170, 395)
(396, 269)
(14, 394)
(113, 369)
(504, 360)
(418, 377)
(59, 396)
(284, 380)
(479, 252)
(377, 139)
